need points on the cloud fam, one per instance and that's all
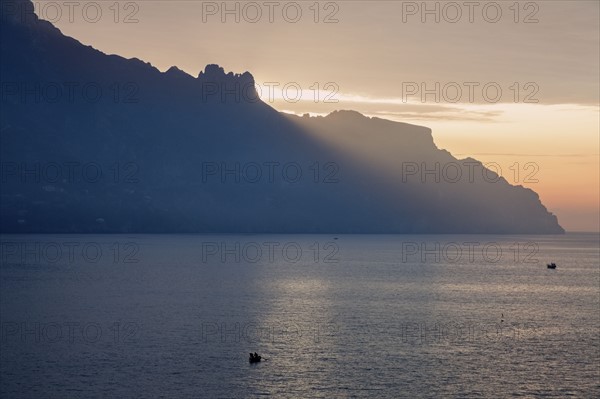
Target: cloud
(530, 155)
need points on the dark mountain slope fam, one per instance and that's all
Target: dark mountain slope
(97, 143)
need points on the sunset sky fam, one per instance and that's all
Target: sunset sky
(375, 57)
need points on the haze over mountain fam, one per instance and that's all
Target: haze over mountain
(97, 143)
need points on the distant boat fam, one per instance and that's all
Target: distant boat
(551, 265)
(254, 358)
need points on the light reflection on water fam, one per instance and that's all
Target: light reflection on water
(361, 316)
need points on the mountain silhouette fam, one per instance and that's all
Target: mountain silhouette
(98, 143)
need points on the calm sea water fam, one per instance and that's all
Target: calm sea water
(358, 316)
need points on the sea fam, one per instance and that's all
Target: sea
(332, 316)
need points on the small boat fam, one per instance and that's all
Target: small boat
(551, 265)
(254, 358)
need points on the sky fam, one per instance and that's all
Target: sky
(514, 84)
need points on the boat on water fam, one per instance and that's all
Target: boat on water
(551, 265)
(254, 358)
